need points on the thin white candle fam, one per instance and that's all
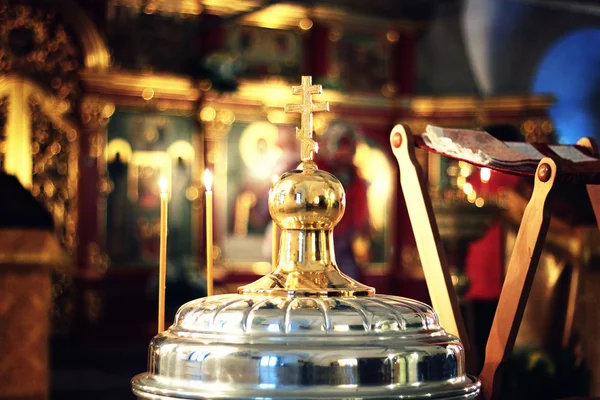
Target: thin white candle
(162, 268)
(209, 232)
(275, 237)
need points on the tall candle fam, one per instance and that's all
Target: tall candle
(274, 238)
(162, 268)
(209, 232)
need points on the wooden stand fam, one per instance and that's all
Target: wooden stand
(523, 262)
(26, 258)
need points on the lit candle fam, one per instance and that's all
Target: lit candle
(209, 232)
(275, 237)
(162, 269)
(484, 175)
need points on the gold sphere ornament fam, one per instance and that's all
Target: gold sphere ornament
(307, 199)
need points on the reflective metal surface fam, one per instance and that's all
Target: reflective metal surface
(258, 346)
(305, 331)
(306, 204)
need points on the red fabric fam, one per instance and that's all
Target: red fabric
(484, 264)
(403, 63)
(318, 46)
(88, 227)
(356, 217)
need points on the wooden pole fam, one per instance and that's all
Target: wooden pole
(427, 237)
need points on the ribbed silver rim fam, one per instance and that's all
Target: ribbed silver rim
(145, 387)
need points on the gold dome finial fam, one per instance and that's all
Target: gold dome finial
(307, 204)
(308, 146)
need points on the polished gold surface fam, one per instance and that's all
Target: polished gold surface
(307, 199)
(306, 109)
(306, 204)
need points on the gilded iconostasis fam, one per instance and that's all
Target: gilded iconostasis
(113, 102)
(174, 90)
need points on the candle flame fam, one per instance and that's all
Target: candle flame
(163, 184)
(485, 174)
(208, 180)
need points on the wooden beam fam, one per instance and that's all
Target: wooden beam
(519, 278)
(427, 237)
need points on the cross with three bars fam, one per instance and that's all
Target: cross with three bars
(308, 146)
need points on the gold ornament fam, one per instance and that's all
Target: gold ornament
(305, 132)
(306, 204)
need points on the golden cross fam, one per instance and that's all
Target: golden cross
(308, 146)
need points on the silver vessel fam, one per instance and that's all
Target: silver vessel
(306, 331)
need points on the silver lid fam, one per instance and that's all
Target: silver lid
(258, 346)
(306, 331)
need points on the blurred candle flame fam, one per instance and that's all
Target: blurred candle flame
(485, 174)
(163, 183)
(208, 180)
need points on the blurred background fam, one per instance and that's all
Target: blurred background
(99, 98)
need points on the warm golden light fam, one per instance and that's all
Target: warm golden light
(208, 114)
(479, 202)
(471, 197)
(305, 24)
(485, 174)
(148, 94)
(164, 184)
(192, 193)
(181, 149)
(275, 178)
(208, 180)
(276, 116)
(467, 188)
